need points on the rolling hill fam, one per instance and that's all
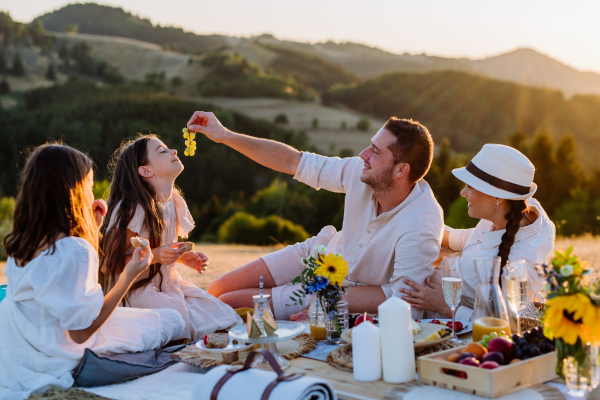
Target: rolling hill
(471, 110)
(524, 66)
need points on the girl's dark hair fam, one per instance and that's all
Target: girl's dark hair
(514, 216)
(128, 190)
(52, 201)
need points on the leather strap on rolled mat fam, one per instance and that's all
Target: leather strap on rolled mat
(247, 365)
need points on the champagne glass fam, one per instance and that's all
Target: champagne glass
(516, 287)
(452, 285)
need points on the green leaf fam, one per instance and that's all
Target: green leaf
(301, 303)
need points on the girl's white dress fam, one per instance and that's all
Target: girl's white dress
(57, 292)
(203, 313)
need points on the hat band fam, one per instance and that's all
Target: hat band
(497, 182)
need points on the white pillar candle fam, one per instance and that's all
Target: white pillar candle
(397, 348)
(366, 352)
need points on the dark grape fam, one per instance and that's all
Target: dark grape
(550, 348)
(519, 355)
(535, 352)
(515, 338)
(526, 336)
(525, 358)
(534, 332)
(523, 342)
(526, 350)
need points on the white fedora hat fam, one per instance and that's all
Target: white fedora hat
(499, 171)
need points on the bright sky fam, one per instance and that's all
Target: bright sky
(565, 30)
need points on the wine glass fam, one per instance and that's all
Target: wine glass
(516, 287)
(452, 285)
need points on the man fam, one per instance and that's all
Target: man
(392, 224)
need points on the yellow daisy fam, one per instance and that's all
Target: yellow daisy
(569, 317)
(332, 267)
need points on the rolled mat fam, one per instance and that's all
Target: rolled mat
(252, 383)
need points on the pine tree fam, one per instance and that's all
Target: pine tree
(518, 140)
(541, 154)
(18, 69)
(4, 87)
(50, 73)
(569, 173)
(3, 67)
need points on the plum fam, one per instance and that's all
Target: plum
(501, 345)
(362, 318)
(489, 365)
(464, 355)
(470, 361)
(494, 356)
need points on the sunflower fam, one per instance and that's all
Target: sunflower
(333, 267)
(572, 316)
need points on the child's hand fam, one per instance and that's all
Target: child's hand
(195, 260)
(167, 254)
(100, 209)
(140, 261)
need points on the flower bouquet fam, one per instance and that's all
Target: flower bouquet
(322, 278)
(572, 315)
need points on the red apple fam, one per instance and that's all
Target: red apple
(489, 365)
(362, 318)
(501, 345)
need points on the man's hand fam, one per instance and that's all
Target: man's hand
(195, 260)
(208, 124)
(429, 297)
(100, 209)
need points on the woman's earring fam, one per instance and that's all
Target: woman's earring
(495, 205)
(154, 176)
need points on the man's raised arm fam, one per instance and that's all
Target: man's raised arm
(274, 155)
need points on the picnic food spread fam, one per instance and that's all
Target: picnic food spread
(140, 242)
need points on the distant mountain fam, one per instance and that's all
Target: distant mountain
(531, 68)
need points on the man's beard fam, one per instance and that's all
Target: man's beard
(381, 181)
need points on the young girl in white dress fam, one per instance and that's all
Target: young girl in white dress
(144, 202)
(55, 308)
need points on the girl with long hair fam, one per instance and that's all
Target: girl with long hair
(513, 226)
(55, 308)
(144, 201)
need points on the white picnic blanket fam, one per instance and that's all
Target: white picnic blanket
(173, 383)
(178, 381)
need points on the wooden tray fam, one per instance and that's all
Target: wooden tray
(490, 383)
(426, 330)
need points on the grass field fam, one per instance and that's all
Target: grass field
(224, 258)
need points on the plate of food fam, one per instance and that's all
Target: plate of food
(221, 343)
(461, 326)
(424, 334)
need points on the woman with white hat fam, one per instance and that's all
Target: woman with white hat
(513, 226)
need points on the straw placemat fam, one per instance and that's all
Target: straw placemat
(289, 349)
(341, 358)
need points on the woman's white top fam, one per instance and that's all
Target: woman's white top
(54, 293)
(203, 313)
(533, 243)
